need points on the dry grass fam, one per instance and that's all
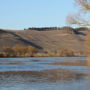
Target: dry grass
(59, 53)
(18, 51)
(88, 49)
(49, 39)
(29, 51)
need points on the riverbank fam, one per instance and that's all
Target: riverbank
(42, 55)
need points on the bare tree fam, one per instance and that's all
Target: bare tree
(82, 17)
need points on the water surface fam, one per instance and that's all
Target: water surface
(44, 73)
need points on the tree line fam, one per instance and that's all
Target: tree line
(56, 28)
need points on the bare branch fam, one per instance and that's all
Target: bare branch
(77, 20)
(84, 4)
(80, 18)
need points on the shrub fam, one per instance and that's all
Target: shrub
(19, 51)
(65, 52)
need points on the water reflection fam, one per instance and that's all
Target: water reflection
(88, 79)
(49, 75)
(44, 73)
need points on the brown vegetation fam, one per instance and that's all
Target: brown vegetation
(88, 44)
(88, 49)
(18, 51)
(30, 51)
(58, 53)
(66, 41)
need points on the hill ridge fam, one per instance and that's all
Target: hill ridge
(52, 39)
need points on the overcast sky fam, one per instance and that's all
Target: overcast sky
(20, 14)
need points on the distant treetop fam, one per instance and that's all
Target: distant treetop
(56, 28)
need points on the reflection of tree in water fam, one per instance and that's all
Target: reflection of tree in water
(42, 76)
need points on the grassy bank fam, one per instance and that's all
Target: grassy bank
(30, 51)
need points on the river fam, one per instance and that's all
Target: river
(44, 73)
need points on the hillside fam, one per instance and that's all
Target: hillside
(52, 39)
